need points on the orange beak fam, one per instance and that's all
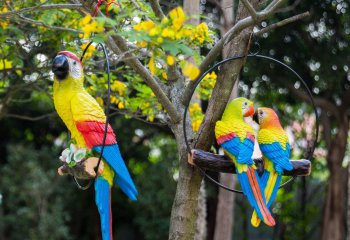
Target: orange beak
(250, 111)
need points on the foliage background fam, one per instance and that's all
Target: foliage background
(37, 204)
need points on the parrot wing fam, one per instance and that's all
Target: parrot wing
(279, 156)
(242, 151)
(92, 130)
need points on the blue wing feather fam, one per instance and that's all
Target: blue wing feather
(275, 153)
(242, 151)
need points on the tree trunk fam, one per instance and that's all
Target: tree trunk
(224, 213)
(184, 211)
(334, 209)
(192, 9)
(348, 207)
(334, 214)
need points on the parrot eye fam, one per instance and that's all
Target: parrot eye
(75, 63)
(245, 104)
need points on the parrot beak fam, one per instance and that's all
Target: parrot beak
(256, 118)
(250, 111)
(60, 67)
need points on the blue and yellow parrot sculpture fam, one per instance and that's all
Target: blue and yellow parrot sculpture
(85, 120)
(274, 145)
(236, 137)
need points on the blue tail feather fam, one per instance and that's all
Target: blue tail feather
(103, 202)
(122, 177)
(247, 190)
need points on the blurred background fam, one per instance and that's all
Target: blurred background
(35, 203)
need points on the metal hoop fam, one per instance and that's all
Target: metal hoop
(252, 55)
(88, 185)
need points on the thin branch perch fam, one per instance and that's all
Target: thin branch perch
(41, 8)
(221, 163)
(282, 23)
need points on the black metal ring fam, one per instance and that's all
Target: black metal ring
(310, 153)
(88, 185)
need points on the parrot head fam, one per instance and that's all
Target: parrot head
(67, 64)
(239, 107)
(266, 118)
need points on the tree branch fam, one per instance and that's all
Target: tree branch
(40, 23)
(157, 9)
(319, 102)
(118, 45)
(41, 8)
(29, 118)
(282, 23)
(250, 8)
(236, 29)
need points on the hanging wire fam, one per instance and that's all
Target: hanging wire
(88, 185)
(253, 55)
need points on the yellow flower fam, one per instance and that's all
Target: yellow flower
(196, 125)
(170, 60)
(85, 20)
(4, 24)
(113, 99)
(152, 65)
(190, 71)
(196, 116)
(88, 26)
(167, 32)
(142, 44)
(121, 105)
(89, 51)
(119, 87)
(154, 31)
(99, 101)
(164, 75)
(202, 33)
(178, 17)
(5, 64)
(144, 26)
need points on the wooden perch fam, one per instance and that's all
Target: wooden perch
(83, 170)
(221, 163)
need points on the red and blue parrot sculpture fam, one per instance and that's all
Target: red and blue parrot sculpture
(274, 145)
(236, 137)
(86, 120)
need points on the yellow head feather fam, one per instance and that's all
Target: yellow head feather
(237, 109)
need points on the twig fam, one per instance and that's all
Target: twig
(157, 9)
(135, 116)
(29, 118)
(250, 9)
(282, 23)
(118, 45)
(236, 29)
(41, 8)
(40, 23)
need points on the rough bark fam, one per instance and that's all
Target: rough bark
(348, 207)
(225, 208)
(334, 222)
(192, 9)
